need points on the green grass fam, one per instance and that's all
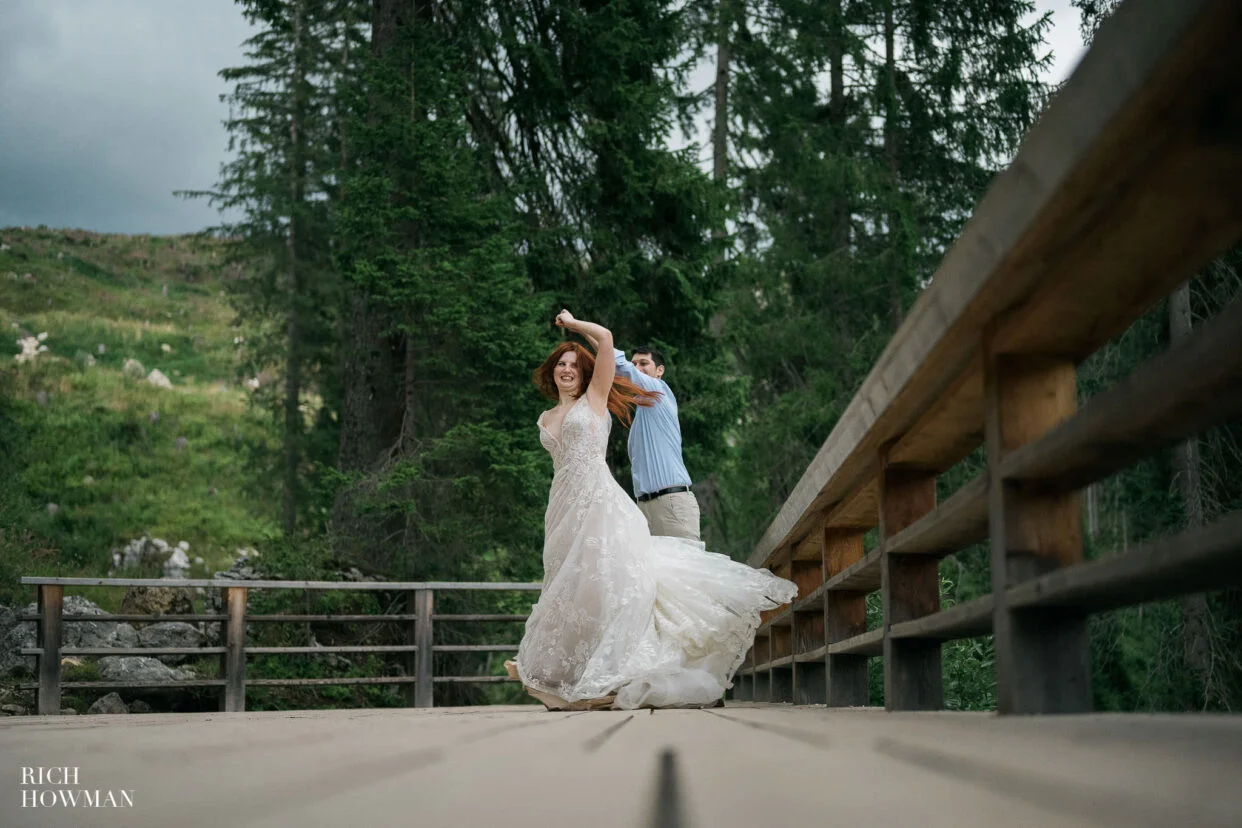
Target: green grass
(105, 447)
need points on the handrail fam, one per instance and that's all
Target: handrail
(418, 649)
(380, 586)
(1123, 189)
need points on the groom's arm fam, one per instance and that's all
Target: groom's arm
(626, 369)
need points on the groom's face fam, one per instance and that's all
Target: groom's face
(644, 363)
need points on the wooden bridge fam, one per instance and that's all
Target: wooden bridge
(1130, 183)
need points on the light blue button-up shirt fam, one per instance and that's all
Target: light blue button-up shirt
(655, 435)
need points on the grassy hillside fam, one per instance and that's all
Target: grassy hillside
(118, 456)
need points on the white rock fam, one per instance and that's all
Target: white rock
(133, 368)
(101, 348)
(177, 565)
(158, 379)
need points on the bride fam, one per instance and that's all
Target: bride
(625, 619)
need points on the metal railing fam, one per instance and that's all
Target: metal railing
(419, 621)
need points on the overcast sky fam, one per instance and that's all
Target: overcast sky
(108, 106)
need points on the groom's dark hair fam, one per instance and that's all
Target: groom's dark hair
(656, 356)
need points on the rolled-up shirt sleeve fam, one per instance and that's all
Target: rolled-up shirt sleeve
(626, 369)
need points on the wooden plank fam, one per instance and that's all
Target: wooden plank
(910, 589)
(133, 685)
(474, 648)
(967, 620)
(331, 649)
(234, 660)
(478, 617)
(782, 641)
(810, 681)
(473, 680)
(812, 655)
(782, 691)
(222, 583)
(128, 651)
(809, 622)
(1198, 560)
(845, 616)
(1042, 659)
(424, 671)
(959, 522)
(152, 618)
(1138, 148)
(410, 662)
(329, 682)
(808, 575)
(860, 510)
(48, 638)
(329, 618)
(870, 643)
(949, 430)
(1191, 387)
(809, 548)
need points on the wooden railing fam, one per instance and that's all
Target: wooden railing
(1130, 182)
(419, 620)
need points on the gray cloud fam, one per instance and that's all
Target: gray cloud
(108, 106)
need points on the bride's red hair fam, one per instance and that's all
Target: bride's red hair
(622, 397)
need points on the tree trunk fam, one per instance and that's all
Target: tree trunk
(373, 393)
(1196, 634)
(293, 366)
(724, 55)
(895, 235)
(836, 114)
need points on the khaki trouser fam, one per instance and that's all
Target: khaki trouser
(675, 514)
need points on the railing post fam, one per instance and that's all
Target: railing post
(51, 604)
(1043, 660)
(910, 587)
(845, 616)
(424, 671)
(744, 685)
(810, 678)
(234, 659)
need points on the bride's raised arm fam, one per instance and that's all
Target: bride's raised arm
(605, 368)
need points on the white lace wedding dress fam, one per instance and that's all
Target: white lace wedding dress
(657, 621)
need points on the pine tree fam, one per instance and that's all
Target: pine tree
(866, 130)
(279, 180)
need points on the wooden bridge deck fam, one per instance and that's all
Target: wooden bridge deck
(746, 764)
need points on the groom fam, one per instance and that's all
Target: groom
(661, 482)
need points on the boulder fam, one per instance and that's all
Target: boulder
(110, 703)
(139, 706)
(133, 369)
(143, 600)
(177, 565)
(13, 710)
(94, 634)
(140, 668)
(170, 634)
(159, 379)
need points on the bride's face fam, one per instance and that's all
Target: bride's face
(566, 373)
